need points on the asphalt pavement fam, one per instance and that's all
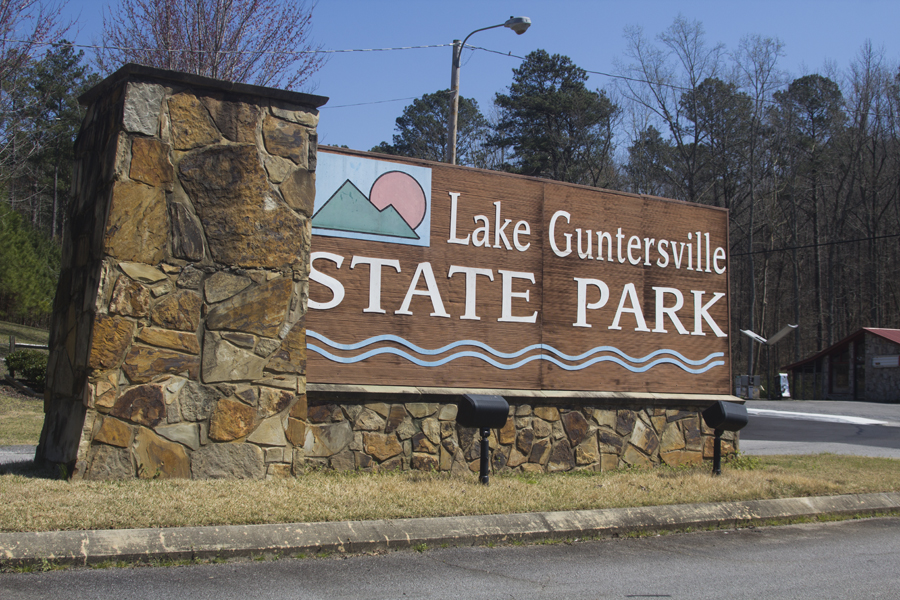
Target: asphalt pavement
(819, 426)
(16, 454)
(811, 561)
(889, 414)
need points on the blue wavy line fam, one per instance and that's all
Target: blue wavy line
(422, 363)
(498, 354)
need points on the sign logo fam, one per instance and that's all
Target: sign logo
(372, 200)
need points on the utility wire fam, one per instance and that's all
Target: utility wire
(299, 53)
(609, 75)
(366, 103)
(820, 245)
(390, 49)
(192, 51)
(672, 86)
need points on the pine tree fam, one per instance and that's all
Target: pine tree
(554, 126)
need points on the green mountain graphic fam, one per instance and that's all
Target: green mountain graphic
(349, 210)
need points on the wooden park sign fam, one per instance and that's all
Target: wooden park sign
(431, 275)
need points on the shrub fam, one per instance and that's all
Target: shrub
(31, 364)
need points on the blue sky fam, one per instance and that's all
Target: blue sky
(368, 90)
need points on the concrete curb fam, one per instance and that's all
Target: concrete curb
(90, 547)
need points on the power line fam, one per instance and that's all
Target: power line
(819, 245)
(680, 88)
(192, 51)
(319, 51)
(372, 102)
(609, 75)
(389, 49)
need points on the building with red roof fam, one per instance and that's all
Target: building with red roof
(864, 366)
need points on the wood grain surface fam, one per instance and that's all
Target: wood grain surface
(552, 299)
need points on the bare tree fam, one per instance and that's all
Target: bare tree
(26, 25)
(869, 149)
(263, 42)
(755, 61)
(662, 80)
(810, 173)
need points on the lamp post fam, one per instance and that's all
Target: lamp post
(517, 24)
(768, 343)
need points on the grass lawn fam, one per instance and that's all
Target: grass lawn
(21, 418)
(34, 501)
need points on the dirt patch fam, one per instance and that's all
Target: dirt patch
(11, 392)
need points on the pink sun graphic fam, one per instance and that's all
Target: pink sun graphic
(400, 190)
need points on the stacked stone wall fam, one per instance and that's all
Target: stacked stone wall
(178, 342)
(882, 384)
(343, 432)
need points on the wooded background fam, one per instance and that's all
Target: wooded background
(808, 164)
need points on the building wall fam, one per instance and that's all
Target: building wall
(882, 384)
(878, 385)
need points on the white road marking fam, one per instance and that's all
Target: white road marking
(783, 414)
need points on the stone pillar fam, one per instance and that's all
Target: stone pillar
(177, 345)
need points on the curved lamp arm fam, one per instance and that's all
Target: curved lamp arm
(518, 24)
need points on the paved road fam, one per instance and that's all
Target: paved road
(852, 559)
(888, 413)
(813, 427)
(16, 454)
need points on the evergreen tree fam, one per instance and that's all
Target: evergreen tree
(721, 116)
(649, 165)
(29, 269)
(25, 27)
(50, 94)
(37, 185)
(809, 117)
(422, 130)
(554, 126)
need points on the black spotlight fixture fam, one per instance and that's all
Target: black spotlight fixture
(484, 413)
(723, 416)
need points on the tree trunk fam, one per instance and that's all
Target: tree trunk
(53, 230)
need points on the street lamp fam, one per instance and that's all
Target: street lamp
(517, 24)
(768, 343)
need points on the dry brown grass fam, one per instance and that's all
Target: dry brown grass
(21, 418)
(35, 503)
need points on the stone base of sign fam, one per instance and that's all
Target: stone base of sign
(347, 431)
